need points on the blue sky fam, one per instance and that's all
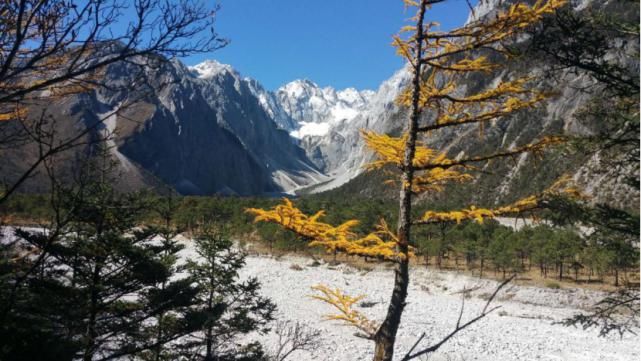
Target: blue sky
(339, 43)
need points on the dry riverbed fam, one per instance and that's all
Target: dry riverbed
(522, 329)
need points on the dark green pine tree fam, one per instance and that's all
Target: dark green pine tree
(117, 276)
(95, 286)
(228, 306)
(171, 299)
(32, 304)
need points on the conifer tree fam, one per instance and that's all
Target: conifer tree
(97, 287)
(118, 278)
(173, 298)
(227, 306)
(435, 100)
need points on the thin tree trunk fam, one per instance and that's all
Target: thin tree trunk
(209, 331)
(90, 335)
(561, 271)
(385, 337)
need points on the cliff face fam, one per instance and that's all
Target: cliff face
(499, 181)
(205, 130)
(196, 133)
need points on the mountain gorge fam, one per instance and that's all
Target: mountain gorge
(206, 129)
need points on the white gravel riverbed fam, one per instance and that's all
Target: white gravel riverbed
(522, 329)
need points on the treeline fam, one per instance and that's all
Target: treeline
(554, 252)
(190, 213)
(560, 252)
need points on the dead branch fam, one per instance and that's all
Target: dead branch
(459, 327)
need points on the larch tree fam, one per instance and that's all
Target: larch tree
(435, 100)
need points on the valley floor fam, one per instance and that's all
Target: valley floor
(522, 329)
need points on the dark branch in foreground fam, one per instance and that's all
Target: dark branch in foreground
(618, 312)
(459, 327)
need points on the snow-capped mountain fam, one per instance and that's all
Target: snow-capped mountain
(210, 68)
(312, 114)
(206, 129)
(197, 130)
(317, 110)
(340, 152)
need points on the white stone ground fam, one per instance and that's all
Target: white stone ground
(522, 329)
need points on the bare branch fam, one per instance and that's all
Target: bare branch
(459, 327)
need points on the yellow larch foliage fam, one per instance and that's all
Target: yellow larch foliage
(379, 244)
(293, 219)
(433, 180)
(487, 32)
(563, 186)
(478, 214)
(346, 312)
(339, 238)
(18, 112)
(446, 54)
(462, 113)
(391, 150)
(566, 186)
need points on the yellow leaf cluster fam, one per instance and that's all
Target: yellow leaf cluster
(293, 219)
(539, 146)
(391, 150)
(433, 180)
(479, 214)
(446, 54)
(18, 112)
(564, 185)
(463, 113)
(346, 312)
(488, 32)
(441, 47)
(333, 238)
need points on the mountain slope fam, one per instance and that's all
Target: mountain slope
(199, 131)
(497, 182)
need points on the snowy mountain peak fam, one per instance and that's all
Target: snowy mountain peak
(299, 88)
(317, 110)
(210, 68)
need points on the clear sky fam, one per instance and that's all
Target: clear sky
(338, 43)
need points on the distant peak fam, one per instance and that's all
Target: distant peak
(210, 68)
(299, 87)
(300, 82)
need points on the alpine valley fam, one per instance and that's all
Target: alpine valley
(206, 129)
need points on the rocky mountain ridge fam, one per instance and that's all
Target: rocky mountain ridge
(206, 129)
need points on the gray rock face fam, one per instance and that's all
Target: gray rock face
(340, 152)
(218, 134)
(313, 115)
(200, 131)
(205, 129)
